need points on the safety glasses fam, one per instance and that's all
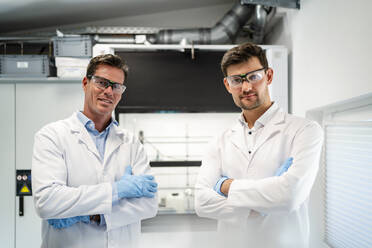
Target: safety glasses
(252, 77)
(103, 83)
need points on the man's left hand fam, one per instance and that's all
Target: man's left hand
(223, 185)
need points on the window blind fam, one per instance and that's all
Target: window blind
(348, 159)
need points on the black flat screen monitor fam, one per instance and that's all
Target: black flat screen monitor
(172, 81)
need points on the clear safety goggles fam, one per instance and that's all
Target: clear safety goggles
(251, 77)
(103, 83)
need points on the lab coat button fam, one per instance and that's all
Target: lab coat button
(249, 152)
(249, 132)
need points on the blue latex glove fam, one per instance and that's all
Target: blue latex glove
(131, 186)
(284, 167)
(217, 187)
(67, 222)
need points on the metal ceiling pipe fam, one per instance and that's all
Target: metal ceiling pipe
(258, 23)
(225, 31)
(111, 39)
(20, 39)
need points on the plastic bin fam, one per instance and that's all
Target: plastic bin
(68, 67)
(24, 66)
(76, 46)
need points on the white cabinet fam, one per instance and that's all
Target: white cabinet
(7, 163)
(26, 106)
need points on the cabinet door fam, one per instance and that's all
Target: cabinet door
(278, 60)
(7, 163)
(38, 104)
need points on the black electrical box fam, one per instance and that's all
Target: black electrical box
(23, 182)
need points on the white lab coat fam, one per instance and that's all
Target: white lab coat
(262, 210)
(69, 179)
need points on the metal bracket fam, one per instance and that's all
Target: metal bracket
(293, 4)
(192, 51)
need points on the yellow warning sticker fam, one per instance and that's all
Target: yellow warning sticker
(25, 189)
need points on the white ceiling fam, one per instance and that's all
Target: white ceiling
(24, 15)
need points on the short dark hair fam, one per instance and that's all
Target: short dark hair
(243, 53)
(107, 59)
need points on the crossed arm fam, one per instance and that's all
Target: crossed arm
(129, 186)
(282, 193)
(64, 206)
(222, 186)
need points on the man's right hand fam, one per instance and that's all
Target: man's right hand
(132, 186)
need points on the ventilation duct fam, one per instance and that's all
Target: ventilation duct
(129, 39)
(253, 17)
(224, 32)
(258, 23)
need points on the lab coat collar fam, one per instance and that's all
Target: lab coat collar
(114, 140)
(115, 137)
(263, 119)
(271, 128)
(268, 115)
(272, 115)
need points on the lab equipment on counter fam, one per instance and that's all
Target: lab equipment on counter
(176, 185)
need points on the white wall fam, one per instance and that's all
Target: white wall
(330, 50)
(330, 44)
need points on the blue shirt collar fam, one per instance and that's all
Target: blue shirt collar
(89, 124)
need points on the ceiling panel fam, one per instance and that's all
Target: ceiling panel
(35, 14)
